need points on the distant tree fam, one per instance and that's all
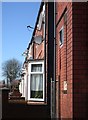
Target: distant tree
(11, 69)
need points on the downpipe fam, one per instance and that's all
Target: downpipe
(53, 81)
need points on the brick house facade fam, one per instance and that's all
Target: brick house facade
(63, 50)
(64, 59)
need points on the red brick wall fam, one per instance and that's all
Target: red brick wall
(39, 51)
(64, 62)
(80, 57)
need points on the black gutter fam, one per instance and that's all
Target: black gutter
(50, 56)
(45, 52)
(54, 60)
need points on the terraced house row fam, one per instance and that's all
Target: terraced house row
(55, 70)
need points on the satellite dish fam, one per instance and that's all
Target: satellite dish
(38, 39)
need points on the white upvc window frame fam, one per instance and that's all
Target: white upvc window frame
(61, 30)
(29, 80)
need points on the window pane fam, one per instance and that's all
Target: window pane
(36, 68)
(36, 85)
(61, 37)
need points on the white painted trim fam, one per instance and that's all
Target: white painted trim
(29, 76)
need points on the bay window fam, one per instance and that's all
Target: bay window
(36, 81)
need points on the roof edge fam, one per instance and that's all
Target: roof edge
(42, 3)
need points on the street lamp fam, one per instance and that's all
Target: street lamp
(31, 27)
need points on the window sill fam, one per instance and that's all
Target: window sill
(61, 45)
(36, 103)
